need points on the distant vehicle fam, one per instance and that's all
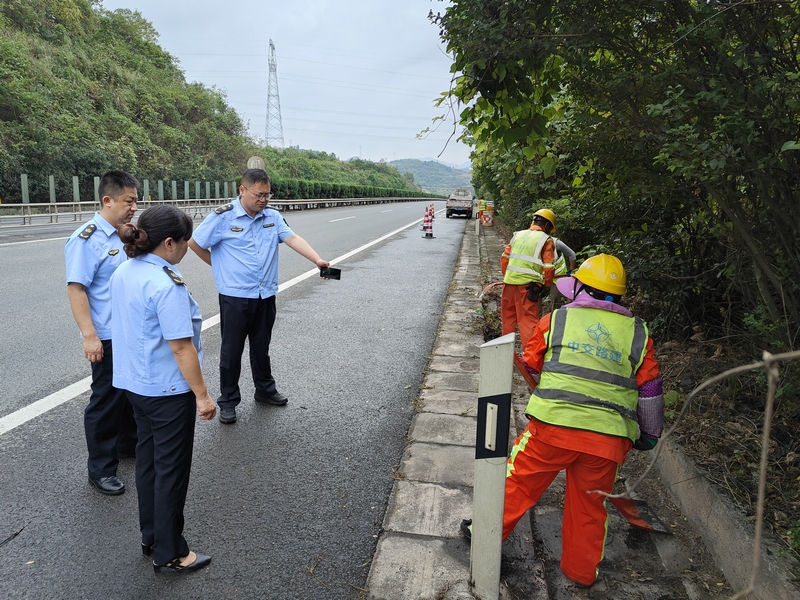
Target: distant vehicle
(460, 202)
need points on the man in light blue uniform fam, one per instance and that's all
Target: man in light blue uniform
(240, 242)
(92, 254)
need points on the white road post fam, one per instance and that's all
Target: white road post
(491, 452)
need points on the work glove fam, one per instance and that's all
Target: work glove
(535, 291)
(645, 443)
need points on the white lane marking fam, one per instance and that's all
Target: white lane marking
(33, 241)
(38, 408)
(342, 219)
(383, 211)
(23, 415)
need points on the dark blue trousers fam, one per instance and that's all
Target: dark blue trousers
(107, 420)
(243, 319)
(163, 463)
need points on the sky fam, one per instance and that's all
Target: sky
(356, 78)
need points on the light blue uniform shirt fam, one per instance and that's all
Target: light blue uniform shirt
(91, 262)
(244, 249)
(148, 308)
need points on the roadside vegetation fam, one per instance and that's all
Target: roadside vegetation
(666, 134)
(84, 90)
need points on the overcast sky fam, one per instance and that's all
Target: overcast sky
(355, 77)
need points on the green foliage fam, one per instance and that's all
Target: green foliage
(315, 166)
(794, 537)
(662, 133)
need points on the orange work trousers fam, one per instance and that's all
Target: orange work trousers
(531, 469)
(517, 311)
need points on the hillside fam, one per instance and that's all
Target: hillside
(311, 165)
(85, 90)
(432, 176)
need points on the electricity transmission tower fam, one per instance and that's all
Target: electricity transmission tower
(273, 134)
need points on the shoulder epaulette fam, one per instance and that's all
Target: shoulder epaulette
(87, 231)
(225, 208)
(174, 276)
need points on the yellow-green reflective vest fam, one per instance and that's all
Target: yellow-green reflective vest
(525, 260)
(589, 375)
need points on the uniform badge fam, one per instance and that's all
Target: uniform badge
(88, 231)
(221, 209)
(269, 225)
(113, 252)
(174, 276)
(236, 229)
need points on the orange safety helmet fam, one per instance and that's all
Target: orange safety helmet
(548, 215)
(603, 272)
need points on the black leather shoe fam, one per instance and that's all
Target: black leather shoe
(202, 560)
(227, 415)
(466, 528)
(110, 486)
(276, 399)
(147, 550)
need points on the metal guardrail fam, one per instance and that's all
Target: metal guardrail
(62, 212)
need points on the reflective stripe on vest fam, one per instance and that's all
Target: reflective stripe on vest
(589, 375)
(560, 263)
(525, 259)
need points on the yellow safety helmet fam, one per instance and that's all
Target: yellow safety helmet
(603, 272)
(548, 214)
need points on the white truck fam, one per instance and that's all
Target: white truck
(460, 202)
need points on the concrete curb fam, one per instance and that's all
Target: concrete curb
(727, 534)
(421, 553)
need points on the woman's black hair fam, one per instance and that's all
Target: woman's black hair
(597, 294)
(156, 224)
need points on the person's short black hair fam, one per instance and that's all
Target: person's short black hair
(538, 219)
(155, 224)
(252, 176)
(113, 184)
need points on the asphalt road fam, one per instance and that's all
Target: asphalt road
(288, 501)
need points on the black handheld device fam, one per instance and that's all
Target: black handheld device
(330, 273)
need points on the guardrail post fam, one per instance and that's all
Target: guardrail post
(226, 190)
(97, 189)
(197, 189)
(52, 181)
(161, 190)
(146, 191)
(174, 190)
(76, 189)
(23, 181)
(208, 190)
(491, 452)
(185, 190)
(216, 189)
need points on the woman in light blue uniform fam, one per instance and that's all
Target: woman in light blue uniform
(155, 323)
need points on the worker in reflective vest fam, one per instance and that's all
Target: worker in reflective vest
(481, 208)
(528, 266)
(599, 394)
